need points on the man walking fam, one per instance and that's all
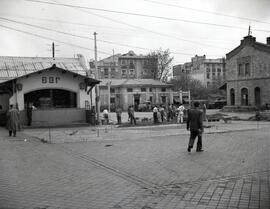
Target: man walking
(195, 125)
(118, 115)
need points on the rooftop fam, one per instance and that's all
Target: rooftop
(13, 67)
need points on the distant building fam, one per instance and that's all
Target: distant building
(126, 92)
(127, 66)
(248, 73)
(131, 79)
(205, 70)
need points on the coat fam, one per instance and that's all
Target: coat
(13, 119)
(195, 120)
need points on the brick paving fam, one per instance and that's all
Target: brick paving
(137, 168)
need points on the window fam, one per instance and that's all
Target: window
(208, 70)
(124, 73)
(218, 70)
(112, 72)
(247, 70)
(112, 100)
(143, 89)
(213, 74)
(208, 75)
(131, 72)
(163, 89)
(240, 69)
(151, 99)
(123, 62)
(129, 90)
(112, 90)
(213, 70)
(106, 72)
(150, 89)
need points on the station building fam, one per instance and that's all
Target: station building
(248, 74)
(59, 88)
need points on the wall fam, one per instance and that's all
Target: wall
(4, 101)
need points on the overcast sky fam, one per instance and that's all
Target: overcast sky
(186, 27)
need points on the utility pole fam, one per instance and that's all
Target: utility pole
(97, 77)
(109, 96)
(53, 50)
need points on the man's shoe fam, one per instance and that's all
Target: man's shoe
(200, 150)
(189, 149)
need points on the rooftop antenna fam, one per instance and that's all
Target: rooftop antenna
(249, 30)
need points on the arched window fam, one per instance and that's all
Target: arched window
(244, 96)
(257, 94)
(232, 96)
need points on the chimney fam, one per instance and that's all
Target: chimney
(248, 40)
(268, 40)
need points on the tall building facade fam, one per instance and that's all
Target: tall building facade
(248, 73)
(205, 70)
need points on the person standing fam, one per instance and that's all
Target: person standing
(106, 116)
(204, 112)
(118, 115)
(195, 125)
(132, 115)
(180, 113)
(29, 110)
(155, 116)
(13, 119)
(162, 113)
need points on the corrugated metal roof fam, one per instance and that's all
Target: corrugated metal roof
(133, 82)
(13, 67)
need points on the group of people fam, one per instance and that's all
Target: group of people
(161, 114)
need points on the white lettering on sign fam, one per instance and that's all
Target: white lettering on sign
(50, 79)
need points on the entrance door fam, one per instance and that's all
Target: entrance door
(232, 96)
(244, 96)
(136, 101)
(257, 93)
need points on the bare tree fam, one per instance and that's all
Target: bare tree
(164, 64)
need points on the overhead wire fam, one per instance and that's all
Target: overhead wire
(144, 15)
(51, 39)
(208, 12)
(83, 37)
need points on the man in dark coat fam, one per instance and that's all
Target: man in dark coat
(195, 125)
(13, 119)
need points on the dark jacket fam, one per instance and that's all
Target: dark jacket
(195, 120)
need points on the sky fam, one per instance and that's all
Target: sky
(185, 27)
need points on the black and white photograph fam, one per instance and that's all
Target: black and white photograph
(134, 104)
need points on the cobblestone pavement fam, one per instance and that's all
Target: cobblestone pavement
(137, 168)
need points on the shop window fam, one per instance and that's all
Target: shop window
(112, 90)
(51, 98)
(129, 90)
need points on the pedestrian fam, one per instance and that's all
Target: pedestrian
(128, 112)
(162, 113)
(195, 125)
(170, 113)
(106, 116)
(180, 116)
(155, 116)
(118, 115)
(13, 119)
(204, 112)
(132, 115)
(29, 110)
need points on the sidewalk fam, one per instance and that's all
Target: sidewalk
(143, 168)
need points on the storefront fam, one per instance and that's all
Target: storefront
(59, 96)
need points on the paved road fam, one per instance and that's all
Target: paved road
(137, 168)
